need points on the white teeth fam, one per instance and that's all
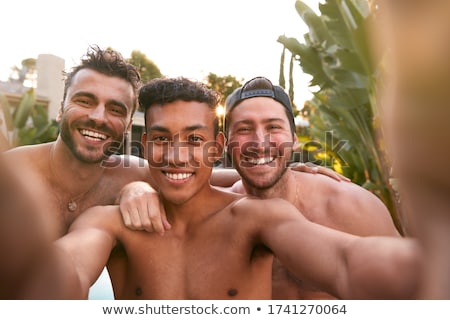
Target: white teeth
(178, 176)
(93, 135)
(260, 161)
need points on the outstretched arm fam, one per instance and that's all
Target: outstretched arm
(87, 247)
(347, 266)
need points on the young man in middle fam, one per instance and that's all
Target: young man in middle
(221, 245)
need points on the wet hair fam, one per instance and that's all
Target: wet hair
(108, 62)
(166, 90)
(259, 87)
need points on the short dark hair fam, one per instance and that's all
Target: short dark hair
(108, 62)
(166, 90)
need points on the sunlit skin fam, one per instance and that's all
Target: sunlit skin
(260, 141)
(96, 112)
(221, 245)
(178, 146)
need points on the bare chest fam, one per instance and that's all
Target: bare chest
(285, 286)
(192, 268)
(58, 209)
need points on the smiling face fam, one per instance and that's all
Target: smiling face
(260, 141)
(180, 147)
(95, 115)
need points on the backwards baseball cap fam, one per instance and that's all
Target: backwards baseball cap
(276, 92)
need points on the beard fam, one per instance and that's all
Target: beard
(262, 182)
(92, 155)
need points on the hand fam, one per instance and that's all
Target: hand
(312, 168)
(141, 208)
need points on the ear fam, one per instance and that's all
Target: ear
(60, 112)
(220, 145)
(130, 125)
(144, 145)
(296, 143)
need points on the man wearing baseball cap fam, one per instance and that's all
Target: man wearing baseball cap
(260, 131)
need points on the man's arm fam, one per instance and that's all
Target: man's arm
(312, 168)
(226, 178)
(141, 208)
(87, 247)
(347, 266)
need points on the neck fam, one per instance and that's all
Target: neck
(281, 189)
(70, 173)
(196, 209)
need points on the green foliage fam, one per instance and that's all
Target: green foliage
(27, 123)
(336, 54)
(225, 85)
(147, 68)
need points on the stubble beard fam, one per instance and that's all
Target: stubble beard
(108, 148)
(260, 183)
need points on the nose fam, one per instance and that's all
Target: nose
(97, 114)
(179, 153)
(261, 139)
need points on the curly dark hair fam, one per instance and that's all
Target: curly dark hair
(108, 62)
(165, 90)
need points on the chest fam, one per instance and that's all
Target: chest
(203, 266)
(58, 209)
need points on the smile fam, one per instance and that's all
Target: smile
(178, 176)
(92, 135)
(261, 161)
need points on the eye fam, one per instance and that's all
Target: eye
(83, 102)
(195, 139)
(118, 110)
(159, 139)
(244, 129)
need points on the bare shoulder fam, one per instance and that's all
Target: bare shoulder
(29, 163)
(125, 161)
(257, 209)
(238, 187)
(29, 153)
(347, 206)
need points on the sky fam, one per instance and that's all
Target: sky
(188, 38)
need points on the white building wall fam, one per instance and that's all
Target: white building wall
(50, 82)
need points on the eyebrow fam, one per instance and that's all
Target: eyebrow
(94, 97)
(185, 129)
(248, 121)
